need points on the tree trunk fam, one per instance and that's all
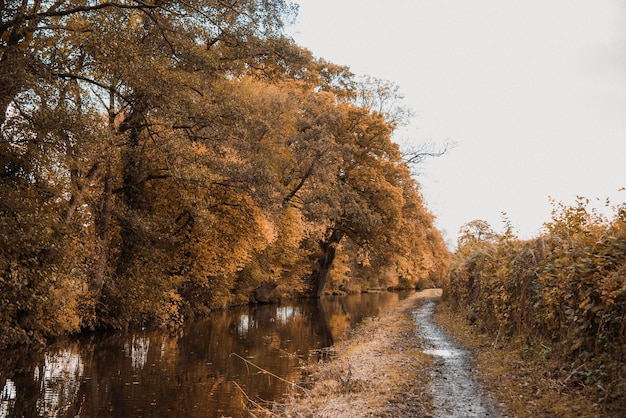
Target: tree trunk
(265, 292)
(133, 197)
(102, 228)
(329, 249)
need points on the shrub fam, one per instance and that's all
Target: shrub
(565, 289)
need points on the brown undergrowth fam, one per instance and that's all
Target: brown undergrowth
(380, 371)
(562, 294)
(524, 382)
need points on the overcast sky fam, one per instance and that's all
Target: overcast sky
(533, 92)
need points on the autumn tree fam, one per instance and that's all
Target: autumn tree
(161, 159)
(358, 192)
(93, 93)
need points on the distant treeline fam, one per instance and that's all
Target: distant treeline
(160, 159)
(562, 294)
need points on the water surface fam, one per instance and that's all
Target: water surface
(192, 373)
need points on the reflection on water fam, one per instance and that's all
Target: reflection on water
(441, 353)
(7, 397)
(285, 313)
(191, 374)
(137, 351)
(59, 382)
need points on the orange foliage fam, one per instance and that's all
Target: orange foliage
(564, 291)
(149, 171)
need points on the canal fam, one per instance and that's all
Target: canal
(206, 369)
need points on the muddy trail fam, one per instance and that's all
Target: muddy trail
(455, 392)
(399, 364)
(402, 364)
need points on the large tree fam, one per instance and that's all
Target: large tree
(163, 158)
(101, 103)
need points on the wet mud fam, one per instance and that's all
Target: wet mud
(454, 390)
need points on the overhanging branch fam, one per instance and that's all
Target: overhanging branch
(426, 150)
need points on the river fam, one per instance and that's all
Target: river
(198, 371)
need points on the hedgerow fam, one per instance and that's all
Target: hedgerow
(564, 291)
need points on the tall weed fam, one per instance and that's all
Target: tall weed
(565, 290)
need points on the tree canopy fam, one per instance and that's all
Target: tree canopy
(160, 159)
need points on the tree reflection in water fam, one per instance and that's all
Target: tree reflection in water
(59, 381)
(137, 350)
(192, 373)
(7, 397)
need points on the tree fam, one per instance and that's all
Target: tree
(93, 93)
(476, 231)
(360, 194)
(165, 158)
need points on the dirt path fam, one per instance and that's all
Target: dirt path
(455, 392)
(399, 364)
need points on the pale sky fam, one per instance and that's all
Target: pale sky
(533, 92)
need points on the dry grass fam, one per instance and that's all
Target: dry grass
(524, 384)
(380, 371)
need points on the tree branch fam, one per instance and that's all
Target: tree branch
(426, 150)
(54, 12)
(296, 189)
(94, 82)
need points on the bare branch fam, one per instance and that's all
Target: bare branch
(93, 82)
(427, 149)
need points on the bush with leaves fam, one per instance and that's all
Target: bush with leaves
(565, 289)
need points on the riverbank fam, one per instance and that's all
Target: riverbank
(381, 370)
(390, 368)
(197, 372)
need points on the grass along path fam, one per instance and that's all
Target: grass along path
(386, 370)
(409, 362)
(523, 383)
(381, 370)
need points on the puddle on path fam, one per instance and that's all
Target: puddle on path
(455, 392)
